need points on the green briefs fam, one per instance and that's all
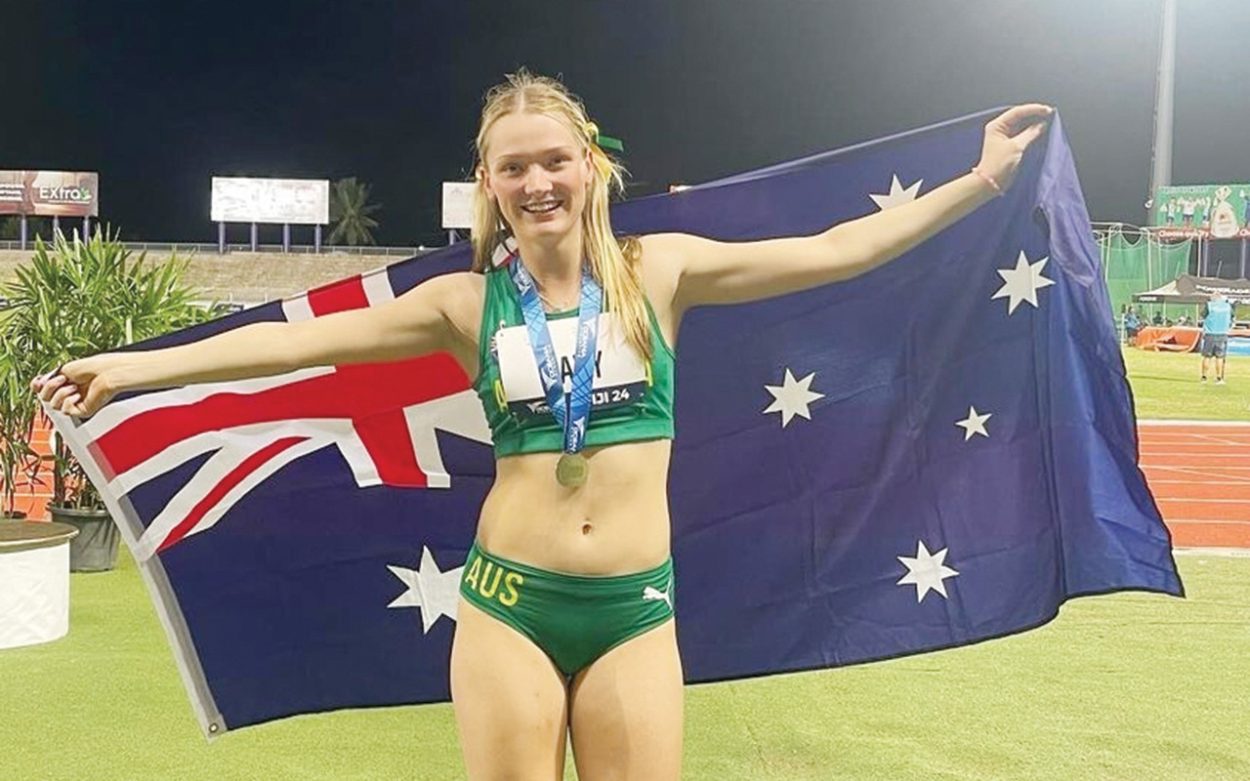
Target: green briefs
(574, 619)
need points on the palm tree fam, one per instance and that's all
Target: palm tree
(349, 213)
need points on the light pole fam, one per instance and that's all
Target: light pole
(1161, 155)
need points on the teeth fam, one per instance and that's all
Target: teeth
(543, 207)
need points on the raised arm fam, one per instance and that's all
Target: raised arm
(415, 323)
(715, 272)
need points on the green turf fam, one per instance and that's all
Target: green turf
(1165, 385)
(1128, 686)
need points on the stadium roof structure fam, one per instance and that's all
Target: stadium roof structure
(1189, 289)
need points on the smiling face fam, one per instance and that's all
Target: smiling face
(537, 172)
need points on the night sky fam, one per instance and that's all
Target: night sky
(160, 96)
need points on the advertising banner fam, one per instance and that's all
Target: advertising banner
(1208, 211)
(280, 201)
(50, 193)
(458, 205)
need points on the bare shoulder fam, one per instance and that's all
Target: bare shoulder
(661, 268)
(459, 295)
(661, 263)
(456, 286)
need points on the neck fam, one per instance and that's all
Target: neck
(556, 266)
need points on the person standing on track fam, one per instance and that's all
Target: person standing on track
(1216, 323)
(565, 624)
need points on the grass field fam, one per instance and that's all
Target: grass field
(1165, 385)
(1128, 686)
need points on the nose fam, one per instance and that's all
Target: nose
(536, 180)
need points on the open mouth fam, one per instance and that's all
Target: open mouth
(542, 207)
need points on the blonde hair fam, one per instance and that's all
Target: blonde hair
(614, 265)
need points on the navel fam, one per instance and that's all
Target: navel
(587, 528)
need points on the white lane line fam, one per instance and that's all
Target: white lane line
(1199, 455)
(1182, 469)
(1237, 553)
(1201, 501)
(1199, 482)
(1219, 440)
(1189, 442)
(1171, 521)
(1203, 423)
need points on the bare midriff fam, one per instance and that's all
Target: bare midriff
(616, 523)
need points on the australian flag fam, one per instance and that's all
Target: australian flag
(934, 453)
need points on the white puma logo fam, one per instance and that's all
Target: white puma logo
(655, 595)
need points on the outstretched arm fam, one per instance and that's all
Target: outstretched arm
(415, 323)
(715, 272)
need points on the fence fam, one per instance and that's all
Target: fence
(306, 249)
(1134, 261)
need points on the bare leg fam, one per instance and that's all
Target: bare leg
(510, 702)
(627, 711)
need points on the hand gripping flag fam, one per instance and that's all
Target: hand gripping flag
(934, 453)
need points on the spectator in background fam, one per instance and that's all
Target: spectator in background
(1132, 324)
(1216, 321)
(1158, 319)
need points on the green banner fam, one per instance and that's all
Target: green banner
(1214, 211)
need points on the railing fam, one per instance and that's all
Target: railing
(211, 248)
(1134, 230)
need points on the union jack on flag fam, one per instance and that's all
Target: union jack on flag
(935, 453)
(379, 417)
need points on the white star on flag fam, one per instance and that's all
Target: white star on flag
(1022, 282)
(792, 397)
(897, 194)
(429, 589)
(926, 572)
(974, 424)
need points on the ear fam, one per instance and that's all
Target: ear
(483, 176)
(588, 164)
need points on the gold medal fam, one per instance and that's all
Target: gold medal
(572, 469)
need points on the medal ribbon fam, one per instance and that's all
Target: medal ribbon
(569, 401)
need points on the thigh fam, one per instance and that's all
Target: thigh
(509, 699)
(626, 711)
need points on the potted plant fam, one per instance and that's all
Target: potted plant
(17, 416)
(77, 298)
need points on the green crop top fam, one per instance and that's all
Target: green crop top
(631, 400)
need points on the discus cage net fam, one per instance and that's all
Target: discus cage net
(1135, 260)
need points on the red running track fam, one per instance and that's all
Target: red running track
(1200, 476)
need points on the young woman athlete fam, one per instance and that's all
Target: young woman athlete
(565, 621)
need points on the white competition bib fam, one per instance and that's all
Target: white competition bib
(620, 375)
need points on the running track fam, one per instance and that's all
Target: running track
(1199, 474)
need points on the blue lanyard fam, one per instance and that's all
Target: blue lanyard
(569, 402)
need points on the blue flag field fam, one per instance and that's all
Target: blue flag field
(937, 452)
